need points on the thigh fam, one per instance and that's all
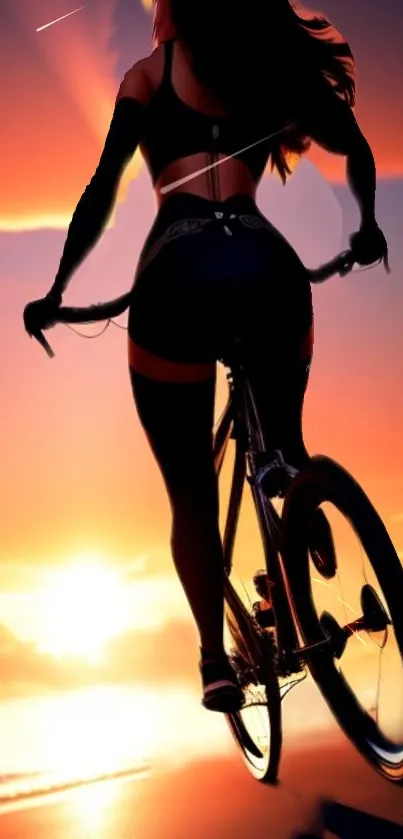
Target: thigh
(171, 333)
(278, 352)
(279, 378)
(178, 421)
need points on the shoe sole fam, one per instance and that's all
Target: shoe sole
(227, 700)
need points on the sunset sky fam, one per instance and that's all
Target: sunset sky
(82, 504)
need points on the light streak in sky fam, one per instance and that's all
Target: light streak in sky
(46, 25)
(181, 181)
(192, 175)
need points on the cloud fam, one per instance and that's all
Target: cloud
(164, 654)
(59, 97)
(59, 101)
(21, 663)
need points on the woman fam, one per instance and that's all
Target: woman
(219, 80)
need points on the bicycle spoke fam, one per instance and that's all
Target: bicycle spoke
(355, 607)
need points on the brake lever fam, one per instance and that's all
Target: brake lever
(34, 332)
(348, 262)
(39, 336)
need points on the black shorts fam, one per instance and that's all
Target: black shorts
(208, 272)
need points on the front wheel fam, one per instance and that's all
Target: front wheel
(360, 618)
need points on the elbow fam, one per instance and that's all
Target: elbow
(355, 141)
(359, 149)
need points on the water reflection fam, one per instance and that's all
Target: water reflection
(85, 734)
(90, 809)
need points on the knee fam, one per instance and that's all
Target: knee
(195, 496)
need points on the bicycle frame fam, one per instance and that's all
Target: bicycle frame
(240, 421)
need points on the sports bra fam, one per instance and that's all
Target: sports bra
(175, 130)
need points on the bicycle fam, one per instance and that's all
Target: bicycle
(273, 647)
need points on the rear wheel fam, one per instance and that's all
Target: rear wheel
(256, 728)
(359, 627)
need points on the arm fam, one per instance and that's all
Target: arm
(95, 205)
(335, 128)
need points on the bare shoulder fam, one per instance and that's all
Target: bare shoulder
(142, 79)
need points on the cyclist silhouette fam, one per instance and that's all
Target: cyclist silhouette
(222, 77)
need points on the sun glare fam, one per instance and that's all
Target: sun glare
(87, 605)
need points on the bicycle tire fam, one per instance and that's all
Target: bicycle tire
(324, 480)
(250, 644)
(254, 646)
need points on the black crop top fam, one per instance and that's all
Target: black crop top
(175, 130)
(167, 129)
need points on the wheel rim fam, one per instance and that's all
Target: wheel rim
(252, 725)
(257, 727)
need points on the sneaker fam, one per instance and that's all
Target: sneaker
(221, 690)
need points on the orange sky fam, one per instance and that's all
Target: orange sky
(59, 100)
(79, 489)
(77, 475)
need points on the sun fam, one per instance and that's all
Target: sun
(86, 605)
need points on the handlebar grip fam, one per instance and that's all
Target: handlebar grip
(39, 336)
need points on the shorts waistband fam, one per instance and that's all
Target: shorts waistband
(186, 204)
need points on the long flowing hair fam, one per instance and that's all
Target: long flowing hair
(263, 57)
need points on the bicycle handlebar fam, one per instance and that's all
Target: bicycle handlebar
(342, 264)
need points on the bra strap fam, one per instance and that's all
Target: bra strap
(168, 56)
